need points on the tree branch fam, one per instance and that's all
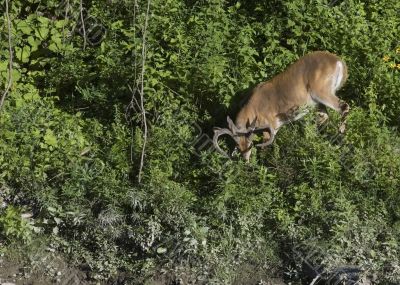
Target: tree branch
(83, 24)
(134, 101)
(10, 62)
(142, 92)
(135, 76)
(67, 7)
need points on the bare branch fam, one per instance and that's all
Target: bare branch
(135, 6)
(134, 101)
(10, 62)
(135, 71)
(67, 7)
(83, 24)
(142, 92)
(315, 279)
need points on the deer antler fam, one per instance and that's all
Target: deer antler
(219, 132)
(271, 132)
(232, 131)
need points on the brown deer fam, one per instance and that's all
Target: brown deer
(310, 81)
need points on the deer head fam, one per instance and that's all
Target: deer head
(242, 136)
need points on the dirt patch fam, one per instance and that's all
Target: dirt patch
(55, 272)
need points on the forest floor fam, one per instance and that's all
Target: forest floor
(13, 272)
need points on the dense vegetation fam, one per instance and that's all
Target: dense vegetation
(72, 132)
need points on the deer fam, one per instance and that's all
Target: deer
(310, 82)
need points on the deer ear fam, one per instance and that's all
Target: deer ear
(252, 125)
(231, 125)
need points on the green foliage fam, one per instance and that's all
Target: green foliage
(13, 227)
(71, 139)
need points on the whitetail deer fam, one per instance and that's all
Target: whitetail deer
(310, 81)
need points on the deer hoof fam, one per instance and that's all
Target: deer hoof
(345, 108)
(342, 128)
(322, 118)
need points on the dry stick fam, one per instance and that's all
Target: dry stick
(65, 17)
(135, 73)
(135, 6)
(10, 66)
(83, 25)
(142, 92)
(134, 101)
(315, 279)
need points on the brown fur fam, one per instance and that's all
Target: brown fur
(307, 82)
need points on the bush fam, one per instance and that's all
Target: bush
(72, 135)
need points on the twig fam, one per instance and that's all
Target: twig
(142, 92)
(333, 2)
(135, 106)
(315, 279)
(134, 101)
(135, 6)
(83, 24)
(10, 62)
(135, 76)
(65, 17)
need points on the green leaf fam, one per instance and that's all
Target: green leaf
(57, 40)
(43, 20)
(23, 53)
(373, 253)
(60, 24)
(50, 138)
(33, 43)
(42, 32)
(3, 65)
(161, 250)
(53, 47)
(24, 27)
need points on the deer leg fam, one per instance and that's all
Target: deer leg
(330, 100)
(322, 115)
(344, 111)
(266, 138)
